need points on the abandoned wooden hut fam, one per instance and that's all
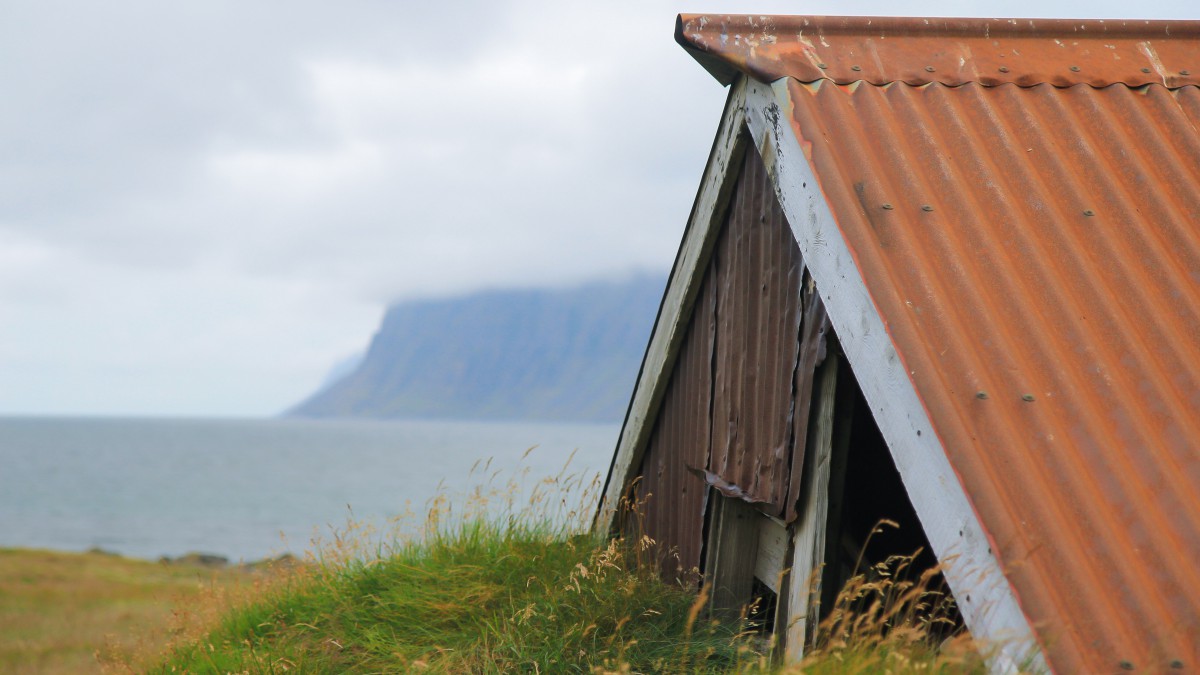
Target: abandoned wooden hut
(945, 272)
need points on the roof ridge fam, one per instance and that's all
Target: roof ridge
(881, 50)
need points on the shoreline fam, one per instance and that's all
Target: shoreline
(196, 559)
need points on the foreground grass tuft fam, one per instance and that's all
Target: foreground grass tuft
(483, 598)
(487, 598)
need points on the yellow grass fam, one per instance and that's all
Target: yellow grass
(65, 612)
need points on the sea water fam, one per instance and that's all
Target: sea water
(250, 489)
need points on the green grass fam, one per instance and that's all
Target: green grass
(483, 598)
(488, 598)
(511, 587)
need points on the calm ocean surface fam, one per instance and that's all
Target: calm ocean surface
(248, 489)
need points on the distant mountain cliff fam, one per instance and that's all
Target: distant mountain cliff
(517, 354)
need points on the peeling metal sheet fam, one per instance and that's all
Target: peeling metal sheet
(757, 271)
(724, 487)
(918, 51)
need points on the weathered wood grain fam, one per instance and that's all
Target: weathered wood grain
(808, 548)
(733, 551)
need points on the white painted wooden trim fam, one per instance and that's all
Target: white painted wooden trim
(984, 595)
(808, 540)
(670, 327)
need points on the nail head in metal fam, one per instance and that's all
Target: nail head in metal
(1004, 69)
(1177, 664)
(1145, 70)
(926, 207)
(822, 66)
(1027, 397)
(1126, 665)
(1089, 212)
(856, 68)
(981, 395)
(929, 69)
(888, 207)
(1074, 69)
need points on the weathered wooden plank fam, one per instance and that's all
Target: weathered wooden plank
(986, 599)
(813, 327)
(808, 547)
(704, 223)
(843, 423)
(733, 550)
(772, 551)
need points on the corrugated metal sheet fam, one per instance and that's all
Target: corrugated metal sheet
(757, 268)
(672, 495)
(880, 50)
(1035, 254)
(735, 412)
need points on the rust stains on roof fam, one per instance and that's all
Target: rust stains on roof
(1042, 249)
(944, 51)
(1031, 240)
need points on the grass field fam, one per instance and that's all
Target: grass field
(64, 612)
(495, 587)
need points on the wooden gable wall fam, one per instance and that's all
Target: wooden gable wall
(734, 416)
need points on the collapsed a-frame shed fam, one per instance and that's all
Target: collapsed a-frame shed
(980, 239)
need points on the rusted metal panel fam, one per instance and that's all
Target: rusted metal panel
(1039, 271)
(757, 272)
(727, 418)
(917, 51)
(672, 496)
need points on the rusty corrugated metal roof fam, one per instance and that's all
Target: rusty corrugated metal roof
(1034, 252)
(917, 51)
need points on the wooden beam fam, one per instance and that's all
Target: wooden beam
(832, 579)
(808, 544)
(704, 224)
(773, 544)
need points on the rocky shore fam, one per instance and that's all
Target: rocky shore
(213, 561)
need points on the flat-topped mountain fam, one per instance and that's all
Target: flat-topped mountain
(530, 354)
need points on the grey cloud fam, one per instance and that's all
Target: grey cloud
(226, 193)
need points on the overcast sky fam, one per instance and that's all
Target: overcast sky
(205, 205)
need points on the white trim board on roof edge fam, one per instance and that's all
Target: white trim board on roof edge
(984, 595)
(699, 237)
